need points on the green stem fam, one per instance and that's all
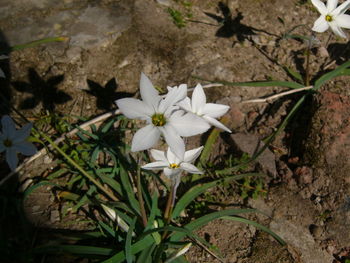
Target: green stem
(78, 167)
(307, 69)
(38, 42)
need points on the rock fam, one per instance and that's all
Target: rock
(54, 216)
(301, 241)
(251, 144)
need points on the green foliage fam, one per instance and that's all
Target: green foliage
(179, 18)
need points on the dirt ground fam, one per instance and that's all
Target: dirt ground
(308, 189)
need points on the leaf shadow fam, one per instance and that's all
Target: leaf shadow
(42, 91)
(106, 95)
(5, 89)
(232, 26)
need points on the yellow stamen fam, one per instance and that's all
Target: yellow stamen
(329, 18)
(158, 119)
(174, 166)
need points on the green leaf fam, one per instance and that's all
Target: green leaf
(73, 249)
(128, 254)
(30, 189)
(195, 191)
(146, 255)
(293, 73)
(208, 218)
(268, 83)
(257, 225)
(334, 73)
(128, 189)
(135, 248)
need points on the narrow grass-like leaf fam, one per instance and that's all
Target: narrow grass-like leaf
(334, 73)
(264, 83)
(74, 249)
(154, 211)
(268, 140)
(199, 222)
(112, 183)
(293, 73)
(195, 191)
(107, 228)
(30, 189)
(128, 189)
(135, 248)
(146, 255)
(257, 225)
(208, 146)
(128, 254)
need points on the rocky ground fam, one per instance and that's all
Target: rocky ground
(111, 41)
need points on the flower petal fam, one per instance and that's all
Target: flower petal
(320, 6)
(198, 98)
(22, 134)
(214, 110)
(216, 123)
(185, 104)
(2, 74)
(155, 165)
(189, 124)
(8, 126)
(341, 9)
(171, 173)
(190, 168)
(174, 140)
(158, 155)
(192, 155)
(148, 93)
(11, 158)
(331, 5)
(343, 21)
(25, 148)
(338, 31)
(145, 138)
(172, 158)
(320, 25)
(134, 109)
(174, 95)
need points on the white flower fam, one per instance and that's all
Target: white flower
(332, 16)
(208, 111)
(162, 117)
(173, 165)
(13, 141)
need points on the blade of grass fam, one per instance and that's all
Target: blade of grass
(128, 254)
(195, 191)
(257, 225)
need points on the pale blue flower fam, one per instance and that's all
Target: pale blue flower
(13, 141)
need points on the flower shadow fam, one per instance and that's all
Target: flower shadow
(107, 95)
(42, 91)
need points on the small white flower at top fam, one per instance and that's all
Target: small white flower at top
(332, 16)
(172, 165)
(13, 141)
(208, 111)
(163, 117)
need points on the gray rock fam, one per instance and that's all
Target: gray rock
(251, 144)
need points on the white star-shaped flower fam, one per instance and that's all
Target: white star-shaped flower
(208, 111)
(162, 117)
(173, 165)
(13, 141)
(332, 16)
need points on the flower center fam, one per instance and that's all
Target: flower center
(7, 143)
(329, 18)
(174, 166)
(158, 119)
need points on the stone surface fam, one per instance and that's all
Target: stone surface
(251, 144)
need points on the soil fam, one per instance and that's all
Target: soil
(308, 194)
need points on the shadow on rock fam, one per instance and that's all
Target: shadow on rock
(339, 52)
(107, 95)
(42, 91)
(5, 90)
